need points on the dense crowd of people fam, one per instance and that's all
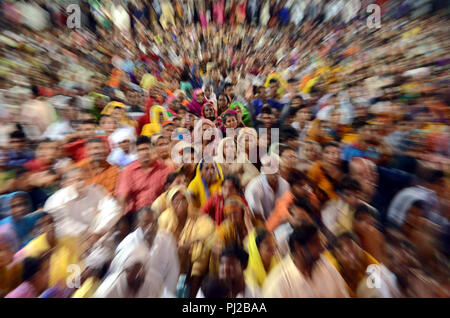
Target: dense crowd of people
(224, 149)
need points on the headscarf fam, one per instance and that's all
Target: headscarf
(255, 271)
(5, 202)
(198, 135)
(155, 125)
(243, 132)
(169, 100)
(220, 153)
(125, 120)
(209, 104)
(198, 229)
(194, 106)
(212, 98)
(198, 185)
(245, 113)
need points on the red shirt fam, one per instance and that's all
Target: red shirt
(142, 187)
(36, 165)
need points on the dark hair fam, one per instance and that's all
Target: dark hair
(238, 252)
(45, 141)
(35, 90)
(88, 122)
(296, 176)
(94, 140)
(303, 203)
(228, 114)
(266, 110)
(226, 86)
(261, 234)
(143, 140)
(31, 266)
(182, 107)
(331, 144)
(284, 148)
(336, 241)
(273, 80)
(46, 214)
(235, 180)
(213, 287)
(72, 102)
(349, 184)
(302, 235)
(292, 80)
(17, 134)
(287, 133)
(171, 178)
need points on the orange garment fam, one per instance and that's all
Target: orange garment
(280, 211)
(317, 175)
(107, 178)
(116, 76)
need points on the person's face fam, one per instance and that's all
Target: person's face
(179, 180)
(109, 124)
(133, 98)
(222, 102)
(303, 115)
(289, 159)
(310, 152)
(46, 224)
(208, 91)
(180, 204)
(146, 222)
(125, 145)
(229, 91)
(208, 172)
(228, 189)
(231, 122)
(350, 256)
(298, 216)
(335, 117)
(229, 150)
(273, 89)
(162, 146)
(19, 207)
(200, 97)
(76, 180)
(87, 131)
(167, 131)
(267, 248)
(331, 156)
(209, 112)
(117, 113)
(135, 276)
(230, 269)
(144, 153)
(266, 120)
(48, 151)
(97, 151)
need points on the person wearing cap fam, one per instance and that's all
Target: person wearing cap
(122, 145)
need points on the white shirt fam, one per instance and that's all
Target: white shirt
(162, 256)
(248, 292)
(58, 130)
(260, 196)
(286, 281)
(96, 211)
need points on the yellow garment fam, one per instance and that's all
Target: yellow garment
(148, 81)
(64, 254)
(160, 204)
(198, 189)
(368, 259)
(350, 138)
(255, 272)
(199, 230)
(87, 289)
(154, 126)
(124, 120)
(310, 84)
(280, 79)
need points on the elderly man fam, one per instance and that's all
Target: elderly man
(80, 209)
(95, 168)
(162, 255)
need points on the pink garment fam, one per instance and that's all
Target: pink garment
(194, 106)
(218, 12)
(203, 21)
(24, 290)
